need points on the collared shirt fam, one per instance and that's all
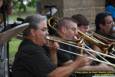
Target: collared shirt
(31, 60)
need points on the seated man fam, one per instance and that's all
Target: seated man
(83, 23)
(32, 60)
(83, 26)
(104, 25)
(67, 29)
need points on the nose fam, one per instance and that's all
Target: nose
(87, 30)
(47, 33)
(76, 33)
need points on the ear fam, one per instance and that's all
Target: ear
(33, 32)
(63, 30)
(101, 26)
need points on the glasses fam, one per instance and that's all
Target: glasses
(110, 23)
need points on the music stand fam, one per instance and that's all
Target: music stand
(4, 38)
(7, 35)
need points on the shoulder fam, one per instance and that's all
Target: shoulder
(29, 46)
(28, 50)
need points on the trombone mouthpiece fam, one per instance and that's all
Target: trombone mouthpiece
(50, 38)
(47, 37)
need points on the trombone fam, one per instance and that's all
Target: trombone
(104, 39)
(93, 40)
(89, 51)
(110, 42)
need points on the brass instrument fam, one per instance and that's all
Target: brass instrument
(104, 39)
(52, 21)
(107, 41)
(92, 40)
(90, 51)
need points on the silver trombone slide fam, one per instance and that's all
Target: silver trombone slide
(88, 57)
(112, 54)
(70, 44)
(96, 54)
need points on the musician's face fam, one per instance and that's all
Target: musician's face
(83, 28)
(72, 31)
(41, 33)
(108, 24)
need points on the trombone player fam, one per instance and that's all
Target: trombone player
(82, 21)
(67, 30)
(104, 25)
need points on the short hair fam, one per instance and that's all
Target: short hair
(64, 22)
(34, 21)
(80, 19)
(100, 19)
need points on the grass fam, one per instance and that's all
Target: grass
(13, 47)
(14, 43)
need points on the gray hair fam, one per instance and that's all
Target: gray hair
(34, 21)
(64, 22)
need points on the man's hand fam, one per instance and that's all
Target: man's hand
(82, 61)
(53, 46)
